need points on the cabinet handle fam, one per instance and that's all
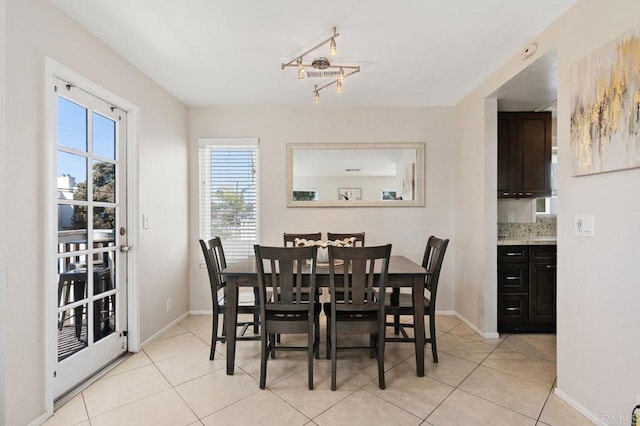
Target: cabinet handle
(551, 266)
(515, 254)
(514, 278)
(505, 193)
(511, 309)
(529, 193)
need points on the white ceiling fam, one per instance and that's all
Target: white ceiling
(226, 52)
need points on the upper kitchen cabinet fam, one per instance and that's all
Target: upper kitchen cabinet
(524, 154)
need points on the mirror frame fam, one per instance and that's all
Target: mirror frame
(420, 174)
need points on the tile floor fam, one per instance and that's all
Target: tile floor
(506, 381)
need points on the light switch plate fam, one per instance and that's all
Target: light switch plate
(584, 225)
(145, 221)
(511, 217)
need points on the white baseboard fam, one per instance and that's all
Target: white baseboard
(201, 312)
(476, 329)
(167, 327)
(572, 402)
(40, 420)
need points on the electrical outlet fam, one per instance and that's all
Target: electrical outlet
(169, 305)
(511, 217)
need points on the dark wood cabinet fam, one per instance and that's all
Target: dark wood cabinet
(524, 154)
(526, 288)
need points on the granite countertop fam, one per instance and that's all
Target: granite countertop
(528, 240)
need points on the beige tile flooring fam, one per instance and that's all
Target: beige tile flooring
(506, 381)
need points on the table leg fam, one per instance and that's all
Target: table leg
(418, 321)
(231, 319)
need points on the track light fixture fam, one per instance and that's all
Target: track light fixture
(319, 64)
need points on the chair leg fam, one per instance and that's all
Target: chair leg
(395, 301)
(380, 351)
(432, 330)
(224, 329)
(214, 334)
(264, 355)
(316, 337)
(311, 339)
(334, 355)
(272, 345)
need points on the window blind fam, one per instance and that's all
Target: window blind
(229, 194)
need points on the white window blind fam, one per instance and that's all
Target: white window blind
(229, 194)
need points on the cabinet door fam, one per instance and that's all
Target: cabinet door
(533, 152)
(506, 143)
(542, 293)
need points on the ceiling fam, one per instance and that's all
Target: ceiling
(226, 53)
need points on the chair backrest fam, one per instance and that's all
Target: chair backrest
(216, 262)
(359, 237)
(432, 262)
(286, 271)
(289, 239)
(354, 272)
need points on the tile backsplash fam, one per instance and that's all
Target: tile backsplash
(543, 226)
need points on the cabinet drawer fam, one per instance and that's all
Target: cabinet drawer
(513, 278)
(542, 253)
(513, 308)
(513, 253)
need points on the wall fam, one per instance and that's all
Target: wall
(3, 221)
(598, 291)
(407, 228)
(36, 29)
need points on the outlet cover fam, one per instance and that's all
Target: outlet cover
(511, 217)
(584, 225)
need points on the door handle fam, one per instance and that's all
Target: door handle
(125, 248)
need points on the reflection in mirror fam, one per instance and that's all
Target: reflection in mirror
(350, 175)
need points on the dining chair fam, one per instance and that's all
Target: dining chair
(402, 303)
(283, 272)
(290, 238)
(353, 309)
(248, 302)
(359, 237)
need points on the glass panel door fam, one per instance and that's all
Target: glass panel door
(91, 202)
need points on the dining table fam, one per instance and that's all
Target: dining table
(402, 272)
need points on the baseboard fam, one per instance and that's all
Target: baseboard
(476, 329)
(448, 313)
(201, 312)
(572, 402)
(40, 420)
(171, 324)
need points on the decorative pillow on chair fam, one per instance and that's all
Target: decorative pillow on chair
(323, 253)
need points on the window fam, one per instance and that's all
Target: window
(229, 194)
(549, 205)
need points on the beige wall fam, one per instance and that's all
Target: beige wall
(36, 29)
(407, 228)
(598, 289)
(3, 219)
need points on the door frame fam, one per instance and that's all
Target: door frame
(53, 69)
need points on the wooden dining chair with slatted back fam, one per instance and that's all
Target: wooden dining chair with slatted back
(402, 303)
(359, 237)
(286, 274)
(247, 301)
(290, 238)
(354, 308)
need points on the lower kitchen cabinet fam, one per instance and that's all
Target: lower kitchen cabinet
(527, 288)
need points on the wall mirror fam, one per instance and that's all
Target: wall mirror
(355, 175)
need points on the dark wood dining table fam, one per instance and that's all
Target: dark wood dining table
(402, 273)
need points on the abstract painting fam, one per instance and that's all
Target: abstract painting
(605, 107)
